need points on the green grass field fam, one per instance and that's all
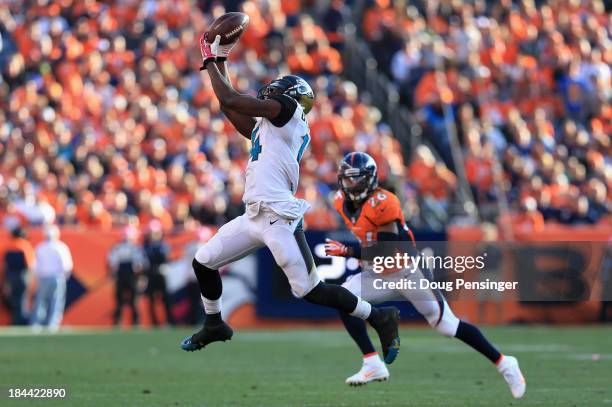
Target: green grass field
(304, 368)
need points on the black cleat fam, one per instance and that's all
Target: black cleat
(386, 325)
(208, 334)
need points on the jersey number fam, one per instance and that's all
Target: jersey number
(305, 140)
(255, 145)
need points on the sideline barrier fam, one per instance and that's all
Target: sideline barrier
(91, 292)
(588, 248)
(90, 296)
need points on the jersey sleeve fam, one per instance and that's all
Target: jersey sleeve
(288, 106)
(384, 207)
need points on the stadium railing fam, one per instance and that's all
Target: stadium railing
(362, 68)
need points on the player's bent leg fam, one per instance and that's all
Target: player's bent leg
(356, 327)
(293, 255)
(214, 329)
(359, 333)
(432, 305)
(384, 320)
(232, 242)
(506, 365)
(438, 315)
(437, 312)
(372, 368)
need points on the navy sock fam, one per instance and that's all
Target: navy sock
(332, 295)
(209, 280)
(358, 331)
(472, 336)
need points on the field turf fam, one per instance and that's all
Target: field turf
(306, 367)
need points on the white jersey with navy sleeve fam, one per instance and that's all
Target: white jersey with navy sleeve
(273, 172)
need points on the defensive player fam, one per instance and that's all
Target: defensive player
(276, 123)
(374, 214)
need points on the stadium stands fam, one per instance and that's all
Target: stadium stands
(105, 119)
(529, 86)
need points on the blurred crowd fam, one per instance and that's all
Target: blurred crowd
(524, 85)
(106, 120)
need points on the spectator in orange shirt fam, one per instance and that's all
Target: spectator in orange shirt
(479, 166)
(529, 218)
(299, 60)
(433, 180)
(154, 210)
(326, 60)
(96, 216)
(381, 12)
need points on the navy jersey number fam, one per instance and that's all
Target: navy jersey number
(305, 140)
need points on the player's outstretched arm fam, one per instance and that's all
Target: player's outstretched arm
(227, 95)
(243, 123)
(243, 104)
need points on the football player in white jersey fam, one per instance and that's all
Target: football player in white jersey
(276, 123)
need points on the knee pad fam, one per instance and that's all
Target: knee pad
(208, 254)
(449, 323)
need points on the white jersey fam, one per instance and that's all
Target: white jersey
(273, 172)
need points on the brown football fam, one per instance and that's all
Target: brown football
(230, 26)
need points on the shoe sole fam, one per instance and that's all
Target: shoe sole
(359, 384)
(199, 347)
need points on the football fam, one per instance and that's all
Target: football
(230, 26)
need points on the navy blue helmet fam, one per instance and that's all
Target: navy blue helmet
(357, 176)
(292, 86)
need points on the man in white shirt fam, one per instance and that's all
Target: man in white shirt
(53, 266)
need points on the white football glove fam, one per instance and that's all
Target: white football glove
(224, 50)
